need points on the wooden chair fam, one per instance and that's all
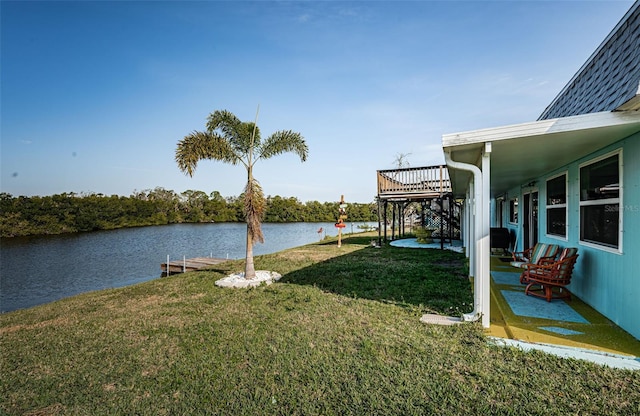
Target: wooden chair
(538, 254)
(543, 278)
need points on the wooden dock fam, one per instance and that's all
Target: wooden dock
(189, 265)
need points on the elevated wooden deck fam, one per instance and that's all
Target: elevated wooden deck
(189, 265)
(413, 183)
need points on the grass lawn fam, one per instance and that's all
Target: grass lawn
(339, 334)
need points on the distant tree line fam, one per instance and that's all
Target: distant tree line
(71, 212)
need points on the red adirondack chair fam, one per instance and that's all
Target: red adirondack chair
(549, 279)
(538, 254)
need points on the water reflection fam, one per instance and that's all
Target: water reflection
(37, 270)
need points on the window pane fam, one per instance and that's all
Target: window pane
(557, 221)
(513, 210)
(599, 224)
(600, 180)
(557, 190)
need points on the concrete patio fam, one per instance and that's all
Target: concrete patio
(571, 325)
(565, 328)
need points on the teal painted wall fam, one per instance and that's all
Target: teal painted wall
(609, 282)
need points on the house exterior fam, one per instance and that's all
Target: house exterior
(572, 178)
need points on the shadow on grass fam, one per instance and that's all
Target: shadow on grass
(430, 279)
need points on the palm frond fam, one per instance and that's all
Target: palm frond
(224, 121)
(202, 145)
(283, 141)
(242, 142)
(255, 207)
(227, 125)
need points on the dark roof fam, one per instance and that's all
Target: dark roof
(609, 78)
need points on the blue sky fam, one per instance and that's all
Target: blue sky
(96, 95)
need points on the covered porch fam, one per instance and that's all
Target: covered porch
(568, 328)
(485, 164)
(573, 324)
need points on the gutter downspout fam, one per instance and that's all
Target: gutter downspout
(477, 239)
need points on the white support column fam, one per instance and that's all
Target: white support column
(485, 244)
(471, 234)
(476, 259)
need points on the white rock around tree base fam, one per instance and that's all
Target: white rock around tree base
(238, 280)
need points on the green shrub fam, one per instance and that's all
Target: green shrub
(424, 235)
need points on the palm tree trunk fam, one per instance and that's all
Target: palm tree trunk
(252, 221)
(249, 268)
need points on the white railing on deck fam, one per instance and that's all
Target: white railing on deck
(423, 180)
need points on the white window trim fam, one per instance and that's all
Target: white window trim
(515, 198)
(619, 201)
(565, 206)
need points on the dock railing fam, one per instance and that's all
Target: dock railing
(421, 182)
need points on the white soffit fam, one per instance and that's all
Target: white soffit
(543, 127)
(525, 151)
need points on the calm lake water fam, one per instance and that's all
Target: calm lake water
(42, 269)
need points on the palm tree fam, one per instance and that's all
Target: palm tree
(229, 140)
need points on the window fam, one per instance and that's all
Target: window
(513, 210)
(557, 206)
(600, 201)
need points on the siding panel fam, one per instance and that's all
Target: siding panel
(609, 282)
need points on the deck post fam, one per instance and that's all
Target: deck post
(393, 221)
(184, 264)
(167, 270)
(379, 223)
(385, 220)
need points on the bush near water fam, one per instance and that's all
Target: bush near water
(71, 212)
